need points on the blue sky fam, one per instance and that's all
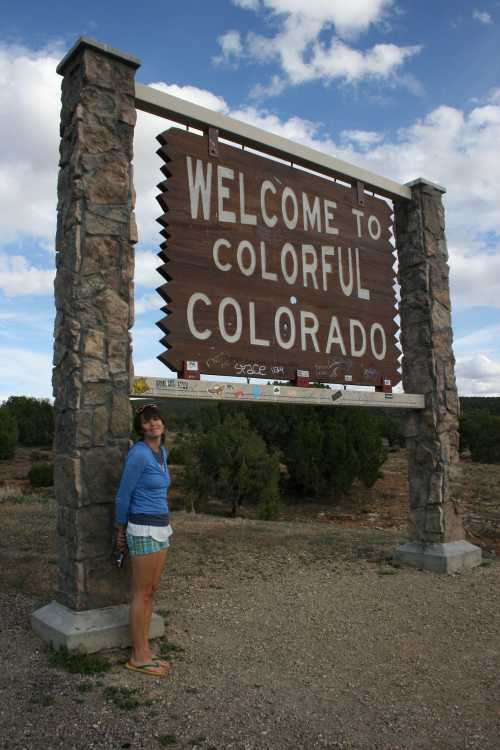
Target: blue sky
(406, 89)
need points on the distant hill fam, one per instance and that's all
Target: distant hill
(491, 404)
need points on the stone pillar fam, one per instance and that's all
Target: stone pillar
(96, 233)
(437, 539)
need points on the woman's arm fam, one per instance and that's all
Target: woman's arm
(135, 464)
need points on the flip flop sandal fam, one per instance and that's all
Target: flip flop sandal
(162, 662)
(154, 669)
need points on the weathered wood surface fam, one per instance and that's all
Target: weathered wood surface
(189, 267)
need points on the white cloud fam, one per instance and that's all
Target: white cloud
(25, 373)
(454, 148)
(147, 303)
(338, 60)
(30, 103)
(482, 16)
(231, 47)
(304, 57)
(202, 97)
(485, 340)
(19, 278)
(348, 18)
(146, 263)
(275, 87)
(295, 128)
(309, 44)
(478, 376)
(475, 275)
(362, 138)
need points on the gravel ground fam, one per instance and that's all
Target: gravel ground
(284, 636)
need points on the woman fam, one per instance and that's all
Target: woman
(142, 526)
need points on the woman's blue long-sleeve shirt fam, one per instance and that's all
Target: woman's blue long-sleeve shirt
(144, 484)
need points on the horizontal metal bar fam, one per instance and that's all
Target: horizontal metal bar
(159, 103)
(211, 390)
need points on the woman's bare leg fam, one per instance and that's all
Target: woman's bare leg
(160, 564)
(145, 577)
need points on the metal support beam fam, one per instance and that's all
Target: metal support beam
(171, 107)
(210, 390)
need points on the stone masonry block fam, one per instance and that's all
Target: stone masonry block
(121, 415)
(94, 344)
(101, 425)
(71, 585)
(127, 111)
(100, 134)
(86, 532)
(67, 480)
(110, 182)
(118, 354)
(94, 371)
(101, 471)
(65, 432)
(440, 316)
(115, 224)
(96, 394)
(101, 254)
(108, 73)
(106, 584)
(115, 311)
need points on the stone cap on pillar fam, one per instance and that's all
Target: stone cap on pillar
(423, 181)
(86, 42)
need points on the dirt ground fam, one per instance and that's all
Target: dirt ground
(284, 635)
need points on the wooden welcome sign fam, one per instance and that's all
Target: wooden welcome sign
(271, 269)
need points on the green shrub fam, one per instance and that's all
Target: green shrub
(231, 462)
(325, 454)
(231, 452)
(390, 426)
(270, 504)
(35, 420)
(480, 433)
(367, 443)
(8, 434)
(179, 453)
(342, 463)
(305, 458)
(41, 475)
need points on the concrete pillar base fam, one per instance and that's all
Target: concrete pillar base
(89, 631)
(450, 557)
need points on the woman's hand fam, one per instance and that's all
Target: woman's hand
(120, 538)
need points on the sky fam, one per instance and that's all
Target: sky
(402, 88)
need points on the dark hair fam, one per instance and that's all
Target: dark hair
(149, 411)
